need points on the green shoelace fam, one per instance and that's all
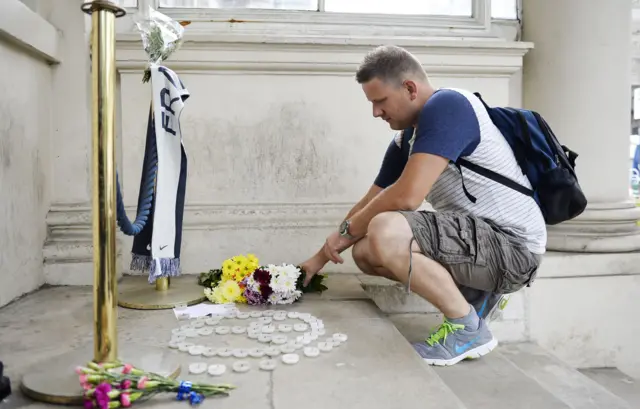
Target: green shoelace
(443, 331)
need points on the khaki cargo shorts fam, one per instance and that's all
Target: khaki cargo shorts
(476, 252)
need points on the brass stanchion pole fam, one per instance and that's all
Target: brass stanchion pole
(105, 306)
(56, 381)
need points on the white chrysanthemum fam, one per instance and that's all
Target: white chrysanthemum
(275, 298)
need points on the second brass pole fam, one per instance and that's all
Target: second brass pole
(104, 185)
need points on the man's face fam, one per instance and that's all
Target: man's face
(393, 103)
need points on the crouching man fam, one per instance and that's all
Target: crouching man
(491, 246)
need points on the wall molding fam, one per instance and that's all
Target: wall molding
(309, 55)
(68, 251)
(27, 29)
(72, 223)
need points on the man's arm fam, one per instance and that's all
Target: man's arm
(408, 193)
(373, 191)
(390, 169)
(447, 129)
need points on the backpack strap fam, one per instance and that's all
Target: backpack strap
(464, 188)
(496, 177)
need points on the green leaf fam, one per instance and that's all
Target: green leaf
(315, 285)
(210, 279)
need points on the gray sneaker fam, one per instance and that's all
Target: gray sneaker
(452, 343)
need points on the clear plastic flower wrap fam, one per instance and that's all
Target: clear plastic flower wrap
(161, 37)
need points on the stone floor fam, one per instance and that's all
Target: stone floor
(375, 369)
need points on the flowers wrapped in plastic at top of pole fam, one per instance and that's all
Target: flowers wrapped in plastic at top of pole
(161, 37)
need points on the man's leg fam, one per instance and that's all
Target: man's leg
(486, 303)
(361, 256)
(463, 334)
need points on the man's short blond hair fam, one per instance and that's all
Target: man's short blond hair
(390, 64)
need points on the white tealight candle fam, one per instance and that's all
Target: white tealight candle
(284, 328)
(196, 350)
(267, 364)
(241, 366)
(311, 352)
(217, 369)
(197, 368)
(290, 359)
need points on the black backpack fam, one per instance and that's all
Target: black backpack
(549, 166)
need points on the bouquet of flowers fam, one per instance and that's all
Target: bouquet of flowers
(161, 36)
(116, 385)
(243, 280)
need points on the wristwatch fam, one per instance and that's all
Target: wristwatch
(344, 230)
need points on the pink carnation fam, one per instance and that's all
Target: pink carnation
(127, 369)
(125, 399)
(142, 382)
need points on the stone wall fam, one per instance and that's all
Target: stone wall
(25, 143)
(280, 138)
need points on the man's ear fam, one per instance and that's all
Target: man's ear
(412, 88)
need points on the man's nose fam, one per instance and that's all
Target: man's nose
(377, 112)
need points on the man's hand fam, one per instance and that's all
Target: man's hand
(313, 266)
(330, 251)
(334, 245)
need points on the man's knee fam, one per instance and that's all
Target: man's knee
(388, 234)
(360, 255)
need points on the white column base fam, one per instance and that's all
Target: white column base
(602, 228)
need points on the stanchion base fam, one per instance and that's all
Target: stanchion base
(136, 293)
(56, 381)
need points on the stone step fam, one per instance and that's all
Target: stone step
(617, 382)
(564, 382)
(494, 382)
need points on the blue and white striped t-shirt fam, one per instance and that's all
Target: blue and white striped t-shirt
(454, 123)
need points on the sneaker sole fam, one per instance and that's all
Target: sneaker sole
(498, 308)
(474, 353)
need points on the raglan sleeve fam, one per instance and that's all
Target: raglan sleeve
(393, 163)
(447, 126)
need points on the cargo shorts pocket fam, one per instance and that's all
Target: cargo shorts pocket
(519, 269)
(457, 239)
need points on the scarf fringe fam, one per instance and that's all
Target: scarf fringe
(169, 267)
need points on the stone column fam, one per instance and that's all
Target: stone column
(578, 76)
(68, 251)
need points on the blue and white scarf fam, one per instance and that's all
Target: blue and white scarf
(157, 247)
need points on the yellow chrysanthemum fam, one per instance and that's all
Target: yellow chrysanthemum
(253, 260)
(231, 291)
(215, 295)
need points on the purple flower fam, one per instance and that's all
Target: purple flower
(253, 297)
(266, 290)
(102, 395)
(262, 276)
(104, 387)
(88, 404)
